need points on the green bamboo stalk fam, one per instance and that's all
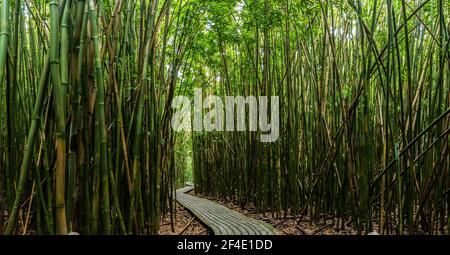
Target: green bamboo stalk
(105, 170)
(29, 148)
(4, 37)
(60, 113)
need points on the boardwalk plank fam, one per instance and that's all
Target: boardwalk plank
(222, 220)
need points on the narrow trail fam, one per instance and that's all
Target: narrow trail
(222, 220)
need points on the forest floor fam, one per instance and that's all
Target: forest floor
(287, 226)
(185, 224)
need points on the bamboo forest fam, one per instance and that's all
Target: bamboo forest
(88, 144)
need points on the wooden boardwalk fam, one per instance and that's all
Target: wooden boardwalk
(222, 220)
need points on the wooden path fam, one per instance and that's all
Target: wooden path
(222, 220)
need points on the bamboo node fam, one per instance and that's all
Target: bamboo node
(60, 205)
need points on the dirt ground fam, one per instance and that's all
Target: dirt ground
(185, 224)
(287, 226)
